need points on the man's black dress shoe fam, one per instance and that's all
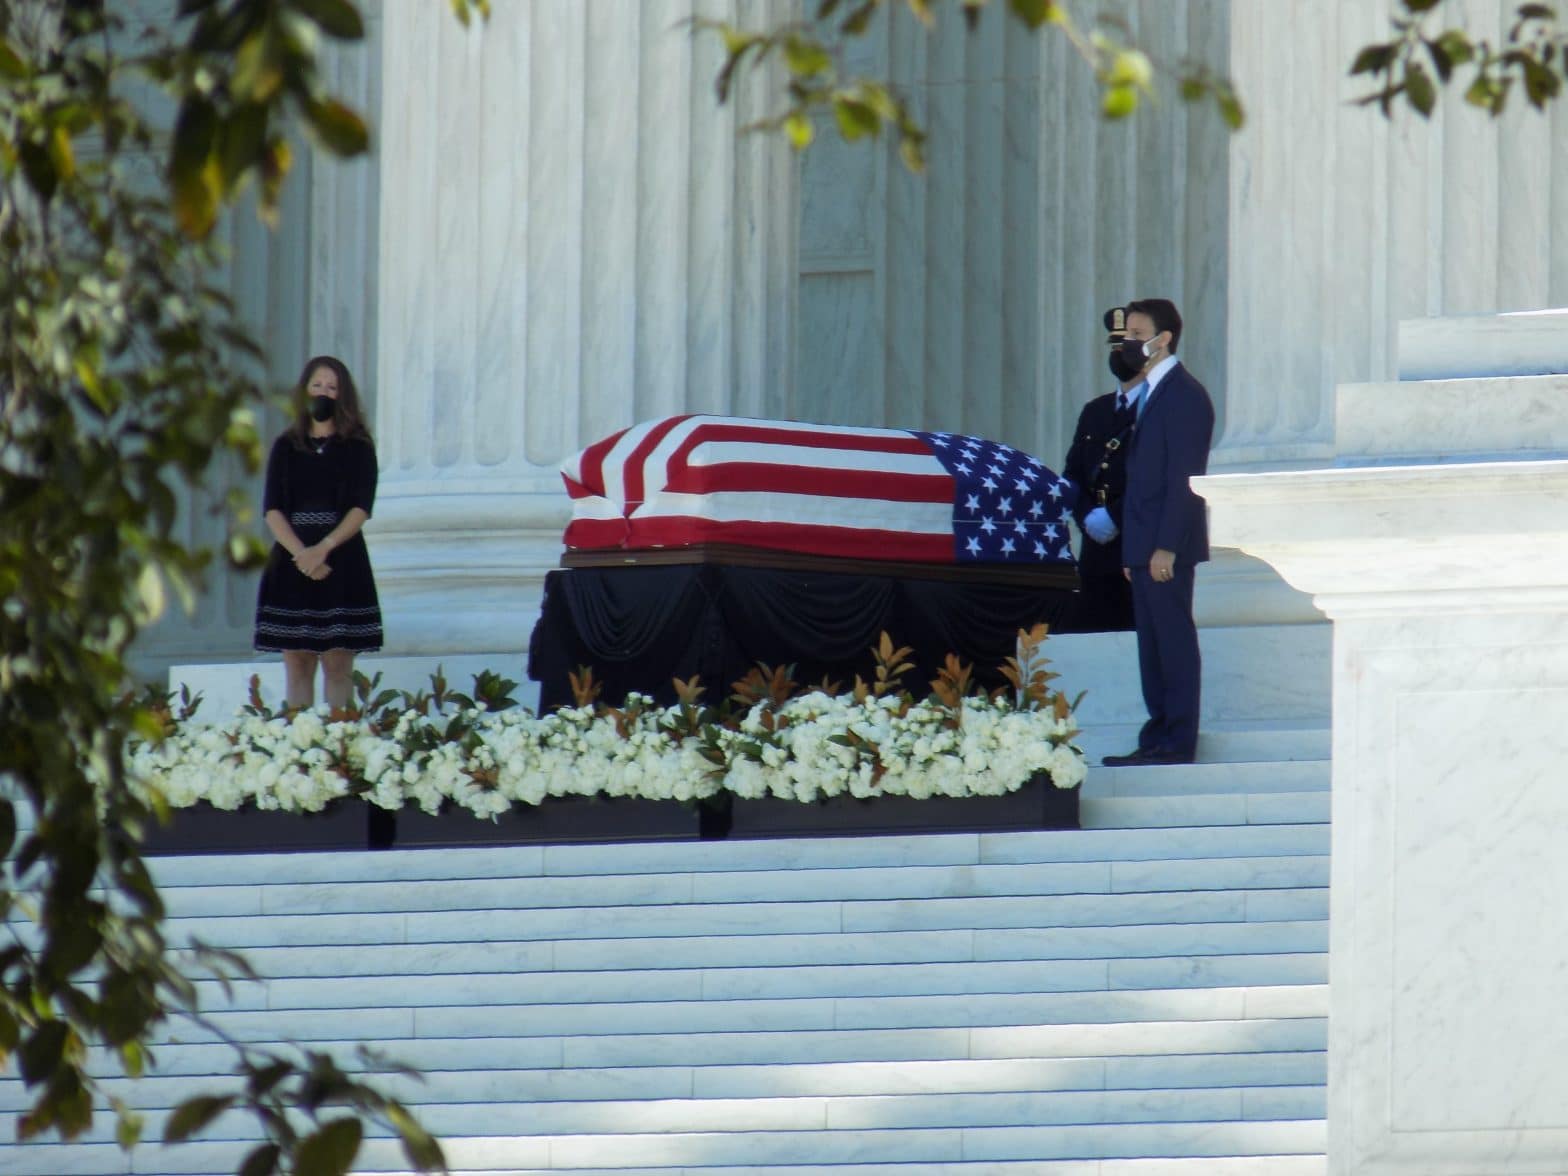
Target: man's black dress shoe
(1153, 755)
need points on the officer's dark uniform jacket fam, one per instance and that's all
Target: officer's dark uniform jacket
(1097, 462)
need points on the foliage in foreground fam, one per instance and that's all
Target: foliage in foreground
(127, 380)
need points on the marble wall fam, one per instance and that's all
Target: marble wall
(573, 237)
(559, 234)
(970, 298)
(1342, 223)
(306, 287)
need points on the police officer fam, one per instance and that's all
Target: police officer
(1097, 464)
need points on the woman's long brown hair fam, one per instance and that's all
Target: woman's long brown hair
(347, 420)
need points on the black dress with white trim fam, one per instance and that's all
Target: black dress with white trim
(314, 487)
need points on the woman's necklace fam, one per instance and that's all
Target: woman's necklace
(319, 444)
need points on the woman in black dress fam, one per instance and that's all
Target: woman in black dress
(317, 600)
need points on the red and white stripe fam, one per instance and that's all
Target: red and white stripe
(818, 489)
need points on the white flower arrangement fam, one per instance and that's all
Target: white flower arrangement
(461, 753)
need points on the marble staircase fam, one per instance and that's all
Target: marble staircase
(1145, 997)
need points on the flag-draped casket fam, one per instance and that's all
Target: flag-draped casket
(819, 490)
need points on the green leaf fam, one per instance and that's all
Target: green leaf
(40, 1053)
(1231, 110)
(1373, 59)
(7, 827)
(1035, 13)
(192, 1115)
(1421, 5)
(799, 131)
(1420, 90)
(1119, 101)
(149, 591)
(128, 1128)
(338, 127)
(11, 65)
(337, 18)
(806, 58)
(331, 1150)
(263, 1161)
(421, 1148)
(856, 119)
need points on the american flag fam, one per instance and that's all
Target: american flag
(891, 494)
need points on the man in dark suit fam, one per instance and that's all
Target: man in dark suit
(1165, 533)
(1097, 465)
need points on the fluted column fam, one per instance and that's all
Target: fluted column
(573, 238)
(1342, 223)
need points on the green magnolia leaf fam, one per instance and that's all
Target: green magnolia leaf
(7, 827)
(331, 1150)
(149, 590)
(1035, 13)
(806, 58)
(421, 1148)
(1420, 90)
(1119, 101)
(11, 64)
(1421, 5)
(338, 127)
(856, 119)
(337, 18)
(1231, 110)
(263, 1161)
(1373, 59)
(194, 1114)
(128, 1128)
(41, 1051)
(799, 130)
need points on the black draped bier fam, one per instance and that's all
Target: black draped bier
(641, 625)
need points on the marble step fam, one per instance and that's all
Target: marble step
(705, 1049)
(790, 951)
(1234, 741)
(1208, 779)
(103, 1160)
(1282, 1165)
(797, 1080)
(766, 1152)
(1521, 343)
(793, 855)
(1498, 418)
(806, 982)
(621, 893)
(1253, 675)
(812, 1115)
(745, 919)
(1186, 812)
(678, 1018)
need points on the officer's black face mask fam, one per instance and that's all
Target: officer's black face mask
(1123, 368)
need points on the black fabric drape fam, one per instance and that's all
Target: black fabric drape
(640, 627)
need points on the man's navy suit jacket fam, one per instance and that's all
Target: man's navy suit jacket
(1169, 446)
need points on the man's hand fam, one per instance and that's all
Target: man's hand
(1098, 526)
(1162, 565)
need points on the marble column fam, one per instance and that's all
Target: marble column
(1343, 224)
(573, 237)
(1447, 585)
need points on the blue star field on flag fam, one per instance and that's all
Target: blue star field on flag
(1007, 507)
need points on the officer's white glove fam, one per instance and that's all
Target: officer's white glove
(1099, 525)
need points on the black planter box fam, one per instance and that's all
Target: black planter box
(559, 820)
(343, 825)
(1039, 804)
(568, 820)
